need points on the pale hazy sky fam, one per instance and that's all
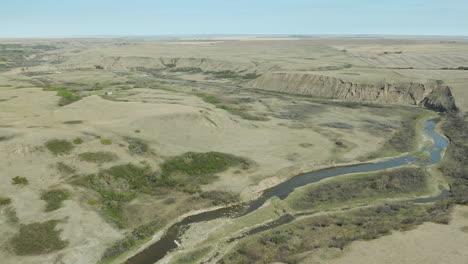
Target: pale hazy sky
(43, 18)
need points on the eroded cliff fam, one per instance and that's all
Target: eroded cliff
(432, 96)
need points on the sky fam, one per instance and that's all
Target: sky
(65, 18)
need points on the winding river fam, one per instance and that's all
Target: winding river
(160, 248)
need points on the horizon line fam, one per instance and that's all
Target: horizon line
(292, 35)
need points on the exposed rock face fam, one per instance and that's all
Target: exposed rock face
(435, 97)
(440, 99)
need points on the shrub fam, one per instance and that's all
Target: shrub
(137, 131)
(337, 125)
(455, 164)
(98, 157)
(192, 163)
(190, 170)
(4, 201)
(38, 238)
(403, 140)
(17, 180)
(250, 76)
(137, 177)
(58, 147)
(64, 168)
(120, 184)
(130, 240)
(73, 122)
(54, 199)
(11, 215)
(193, 256)
(211, 99)
(326, 231)
(114, 212)
(387, 183)
(221, 197)
(233, 75)
(92, 202)
(168, 201)
(278, 239)
(67, 96)
(77, 141)
(241, 112)
(106, 141)
(137, 146)
(187, 69)
(5, 138)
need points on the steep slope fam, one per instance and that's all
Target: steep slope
(429, 95)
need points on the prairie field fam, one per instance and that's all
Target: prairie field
(107, 142)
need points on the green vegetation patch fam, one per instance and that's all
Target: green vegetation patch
(59, 147)
(120, 184)
(198, 167)
(73, 122)
(340, 125)
(241, 112)
(114, 211)
(190, 170)
(67, 96)
(77, 141)
(455, 163)
(383, 184)
(187, 69)
(4, 201)
(193, 256)
(404, 139)
(137, 146)
(98, 157)
(38, 238)
(64, 168)
(130, 240)
(54, 199)
(18, 180)
(211, 99)
(233, 75)
(5, 138)
(287, 243)
(11, 216)
(106, 142)
(221, 197)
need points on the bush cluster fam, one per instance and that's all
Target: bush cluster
(387, 183)
(286, 243)
(59, 147)
(54, 199)
(38, 238)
